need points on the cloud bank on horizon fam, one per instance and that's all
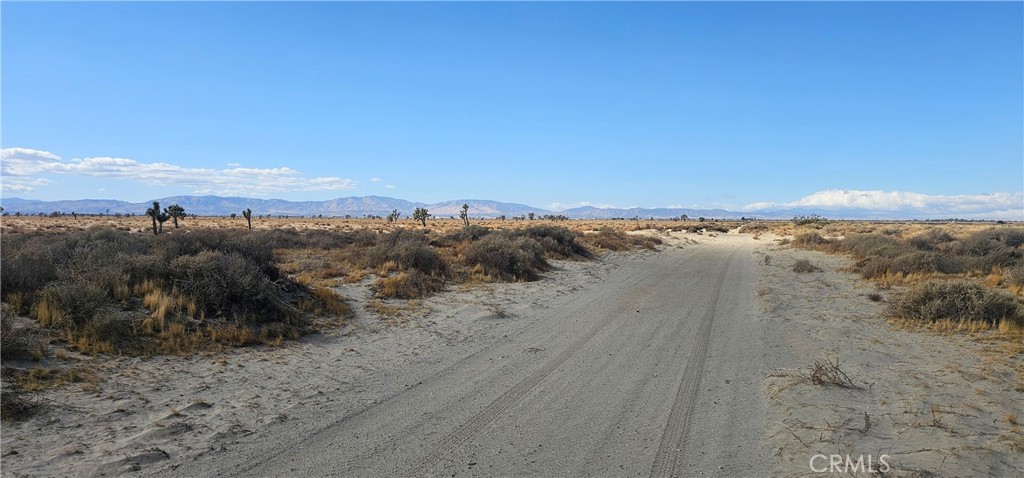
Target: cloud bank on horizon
(23, 169)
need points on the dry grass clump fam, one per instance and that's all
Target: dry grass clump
(16, 405)
(810, 240)
(612, 240)
(957, 301)
(828, 372)
(804, 266)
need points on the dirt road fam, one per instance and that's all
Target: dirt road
(656, 371)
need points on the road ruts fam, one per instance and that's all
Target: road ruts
(506, 400)
(673, 440)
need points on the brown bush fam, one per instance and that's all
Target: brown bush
(508, 257)
(407, 285)
(611, 240)
(957, 301)
(803, 266)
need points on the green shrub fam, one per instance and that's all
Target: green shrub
(956, 300)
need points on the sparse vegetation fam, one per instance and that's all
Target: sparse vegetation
(420, 214)
(507, 257)
(105, 290)
(803, 266)
(612, 240)
(957, 301)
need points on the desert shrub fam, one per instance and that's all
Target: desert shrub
(223, 283)
(612, 240)
(409, 250)
(27, 264)
(930, 240)
(558, 242)
(472, 232)
(916, 263)
(810, 240)
(813, 219)
(958, 301)
(18, 343)
(76, 300)
(753, 227)
(16, 405)
(804, 266)
(509, 258)
(1015, 275)
(862, 246)
(407, 285)
(113, 327)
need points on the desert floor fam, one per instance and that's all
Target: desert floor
(691, 360)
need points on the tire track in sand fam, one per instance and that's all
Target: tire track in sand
(673, 439)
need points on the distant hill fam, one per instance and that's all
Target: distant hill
(361, 206)
(590, 212)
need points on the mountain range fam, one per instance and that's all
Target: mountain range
(356, 206)
(361, 206)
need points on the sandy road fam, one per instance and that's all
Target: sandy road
(656, 372)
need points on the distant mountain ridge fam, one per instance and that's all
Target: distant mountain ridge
(355, 206)
(361, 206)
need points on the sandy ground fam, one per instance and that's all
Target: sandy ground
(936, 404)
(686, 362)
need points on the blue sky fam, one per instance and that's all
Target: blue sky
(548, 104)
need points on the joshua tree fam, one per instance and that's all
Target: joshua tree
(162, 218)
(248, 217)
(153, 212)
(393, 217)
(175, 211)
(464, 214)
(531, 215)
(74, 215)
(421, 215)
(233, 215)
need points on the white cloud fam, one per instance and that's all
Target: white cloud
(390, 186)
(908, 204)
(376, 180)
(234, 165)
(20, 166)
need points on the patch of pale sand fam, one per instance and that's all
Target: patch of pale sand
(936, 404)
(150, 413)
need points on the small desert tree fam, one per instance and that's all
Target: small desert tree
(162, 218)
(153, 212)
(421, 215)
(531, 215)
(393, 217)
(464, 214)
(248, 217)
(175, 211)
